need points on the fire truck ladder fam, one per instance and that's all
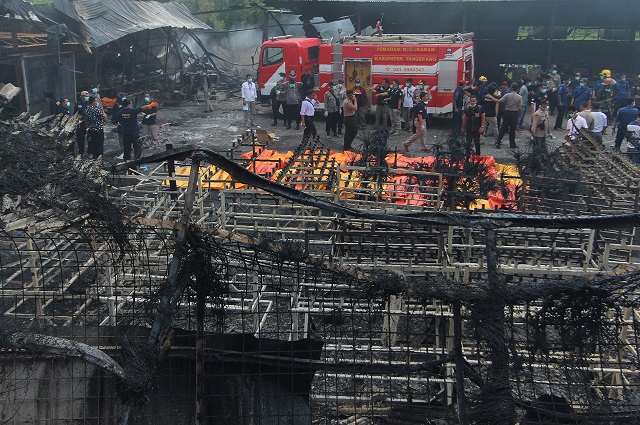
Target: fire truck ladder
(336, 61)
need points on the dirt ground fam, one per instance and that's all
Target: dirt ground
(217, 130)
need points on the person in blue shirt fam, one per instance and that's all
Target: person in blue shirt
(128, 119)
(581, 94)
(620, 93)
(624, 116)
(563, 102)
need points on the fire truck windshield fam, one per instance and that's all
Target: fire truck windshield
(272, 55)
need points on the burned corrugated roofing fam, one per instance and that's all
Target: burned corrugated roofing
(101, 22)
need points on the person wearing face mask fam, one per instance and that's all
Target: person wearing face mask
(458, 98)
(419, 89)
(149, 126)
(605, 98)
(600, 122)
(307, 114)
(64, 107)
(279, 99)
(556, 78)
(473, 122)
(362, 98)
(95, 92)
(542, 95)
(574, 124)
(407, 103)
(540, 128)
(331, 110)
(341, 91)
(382, 103)
(81, 130)
(249, 96)
(582, 93)
(620, 93)
(293, 105)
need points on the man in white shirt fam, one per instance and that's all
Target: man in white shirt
(574, 123)
(307, 113)
(600, 121)
(249, 96)
(407, 103)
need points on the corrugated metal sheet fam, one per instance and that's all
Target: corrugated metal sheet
(103, 21)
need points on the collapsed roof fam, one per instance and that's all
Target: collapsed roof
(95, 23)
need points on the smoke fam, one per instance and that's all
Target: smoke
(239, 46)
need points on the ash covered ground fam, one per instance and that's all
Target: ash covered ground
(217, 130)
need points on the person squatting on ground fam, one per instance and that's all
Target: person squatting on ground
(307, 114)
(421, 125)
(512, 110)
(473, 121)
(149, 126)
(95, 117)
(350, 108)
(540, 128)
(249, 96)
(292, 111)
(128, 119)
(331, 110)
(624, 116)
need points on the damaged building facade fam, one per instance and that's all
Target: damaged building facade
(68, 46)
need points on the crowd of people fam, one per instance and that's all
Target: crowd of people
(481, 109)
(94, 111)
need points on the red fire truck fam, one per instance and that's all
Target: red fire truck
(440, 60)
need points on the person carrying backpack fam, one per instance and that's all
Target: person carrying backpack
(420, 111)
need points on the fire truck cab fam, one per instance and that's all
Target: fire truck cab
(440, 60)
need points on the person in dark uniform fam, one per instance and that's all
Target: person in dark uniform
(473, 121)
(53, 104)
(128, 119)
(80, 108)
(64, 106)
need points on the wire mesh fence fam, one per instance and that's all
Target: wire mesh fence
(259, 305)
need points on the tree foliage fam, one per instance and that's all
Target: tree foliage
(228, 13)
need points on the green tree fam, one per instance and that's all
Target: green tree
(228, 13)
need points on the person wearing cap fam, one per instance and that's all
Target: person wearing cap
(458, 104)
(249, 96)
(280, 99)
(331, 110)
(540, 128)
(419, 89)
(341, 91)
(582, 93)
(80, 108)
(363, 103)
(307, 114)
(382, 103)
(408, 93)
(149, 126)
(292, 111)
